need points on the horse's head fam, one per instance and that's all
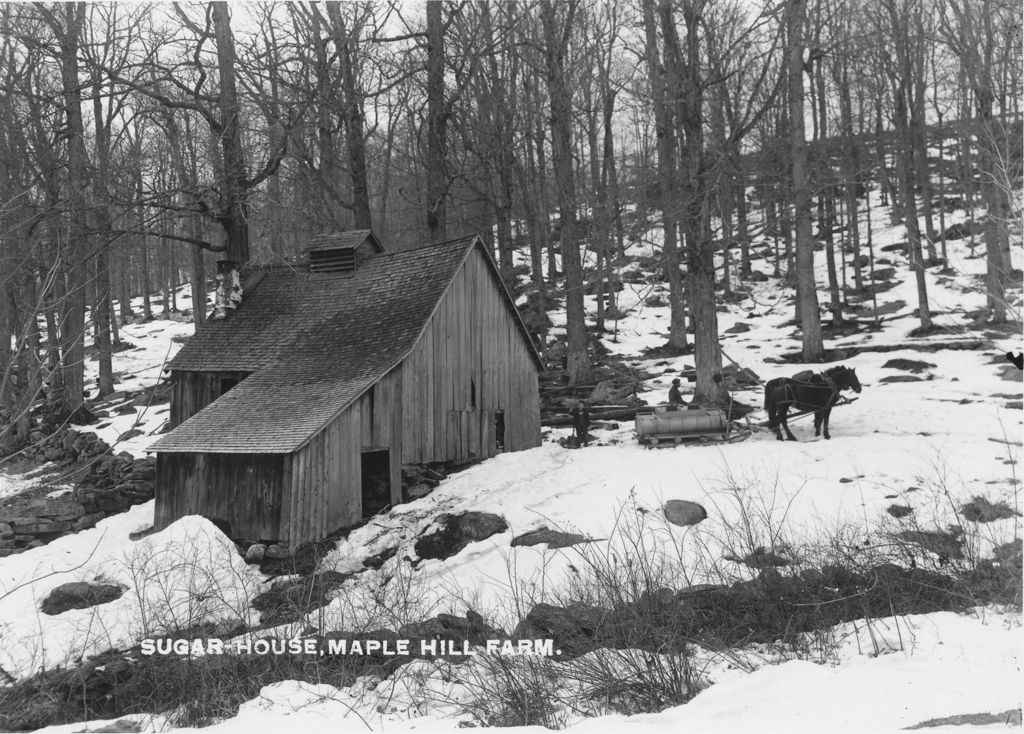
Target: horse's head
(844, 378)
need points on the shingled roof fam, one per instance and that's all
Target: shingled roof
(314, 344)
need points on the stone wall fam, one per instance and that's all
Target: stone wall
(104, 484)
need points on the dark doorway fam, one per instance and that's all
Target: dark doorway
(226, 383)
(376, 481)
(499, 430)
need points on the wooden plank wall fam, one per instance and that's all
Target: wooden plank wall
(325, 488)
(243, 489)
(193, 391)
(471, 345)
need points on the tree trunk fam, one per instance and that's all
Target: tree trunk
(437, 125)
(810, 319)
(72, 328)
(352, 114)
(668, 194)
(556, 38)
(700, 251)
(234, 215)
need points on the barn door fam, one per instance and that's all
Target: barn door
(376, 466)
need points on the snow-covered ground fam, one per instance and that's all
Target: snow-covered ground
(929, 445)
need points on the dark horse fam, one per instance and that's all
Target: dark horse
(807, 391)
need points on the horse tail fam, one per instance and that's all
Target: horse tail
(769, 403)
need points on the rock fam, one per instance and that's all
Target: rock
(60, 509)
(899, 511)
(377, 560)
(275, 551)
(756, 276)
(980, 509)
(884, 274)
(1010, 373)
(287, 601)
(684, 513)
(738, 328)
(42, 527)
(1009, 554)
(6, 531)
(945, 545)
(553, 538)
(963, 230)
(455, 532)
(255, 552)
(470, 628)
(914, 366)
(418, 490)
(54, 455)
(132, 433)
(657, 599)
(576, 627)
(760, 558)
(900, 378)
(121, 726)
(79, 595)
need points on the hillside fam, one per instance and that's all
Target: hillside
(916, 498)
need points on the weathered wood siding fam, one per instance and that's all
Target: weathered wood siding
(245, 490)
(471, 361)
(380, 415)
(193, 391)
(325, 490)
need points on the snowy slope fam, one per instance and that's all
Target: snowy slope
(930, 445)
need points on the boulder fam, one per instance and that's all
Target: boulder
(684, 513)
(945, 545)
(899, 511)
(913, 366)
(738, 328)
(60, 510)
(553, 538)
(418, 490)
(980, 509)
(377, 560)
(6, 531)
(287, 601)
(760, 558)
(455, 532)
(79, 595)
(470, 628)
(255, 553)
(276, 551)
(576, 627)
(900, 378)
(43, 527)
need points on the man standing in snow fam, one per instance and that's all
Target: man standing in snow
(581, 423)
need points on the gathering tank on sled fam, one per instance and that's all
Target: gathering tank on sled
(665, 423)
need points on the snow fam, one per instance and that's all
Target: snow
(931, 445)
(188, 574)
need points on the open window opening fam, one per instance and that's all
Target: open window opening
(376, 466)
(472, 393)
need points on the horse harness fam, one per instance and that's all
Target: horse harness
(790, 395)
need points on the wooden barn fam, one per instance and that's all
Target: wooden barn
(292, 417)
